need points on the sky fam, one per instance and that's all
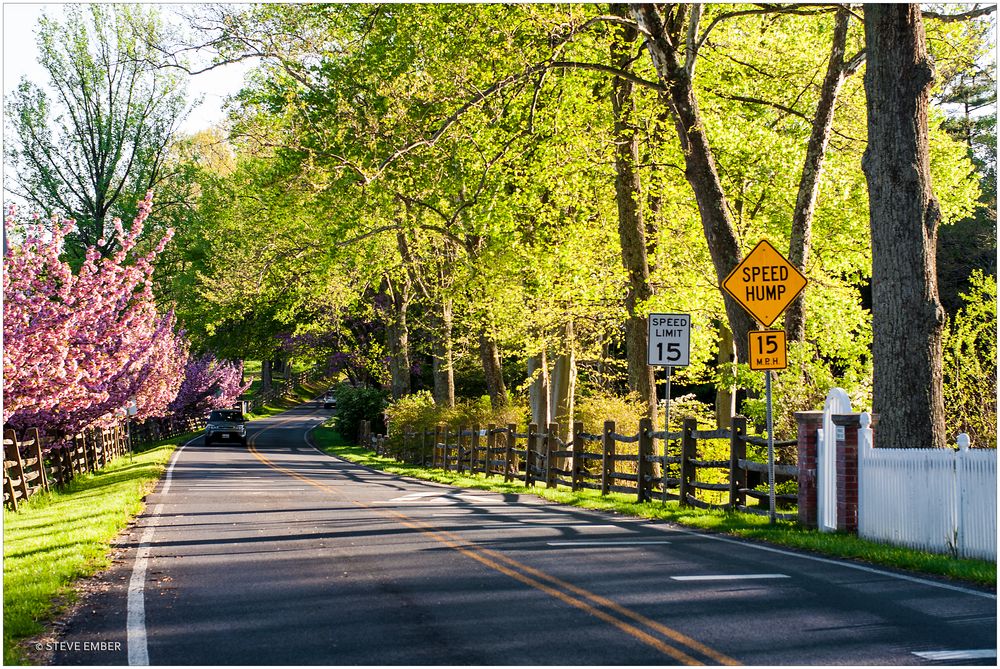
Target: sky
(20, 59)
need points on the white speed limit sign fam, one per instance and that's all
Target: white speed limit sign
(669, 340)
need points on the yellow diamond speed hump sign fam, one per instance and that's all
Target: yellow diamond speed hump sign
(765, 283)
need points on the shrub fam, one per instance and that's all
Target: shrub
(595, 406)
(970, 371)
(418, 412)
(357, 404)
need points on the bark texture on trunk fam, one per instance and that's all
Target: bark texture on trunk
(563, 385)
(699, 162)
(805, 202)
(538, 393)
(444, 376)
(399, 338)
(631, 228)
(489, 353)
(265, 375)
(725, 398)
(907, 317)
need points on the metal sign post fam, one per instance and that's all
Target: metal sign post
(666, 429)
(770, 448)
(767, 352)
(669, 337)
(765, 283)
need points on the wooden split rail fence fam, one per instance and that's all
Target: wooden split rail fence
(598, 461)
(29, 465)
(33, 463)
(156, 429)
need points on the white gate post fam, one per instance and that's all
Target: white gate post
(837, 402)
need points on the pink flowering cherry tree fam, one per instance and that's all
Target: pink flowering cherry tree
(79, 347)
(209, 383)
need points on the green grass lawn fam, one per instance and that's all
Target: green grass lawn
(747, 526)
(61, 536)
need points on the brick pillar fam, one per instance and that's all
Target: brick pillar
(809, 422)
(847, 471)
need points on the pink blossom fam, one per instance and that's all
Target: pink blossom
(78, 347)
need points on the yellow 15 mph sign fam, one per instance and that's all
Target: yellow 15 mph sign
(768, 350)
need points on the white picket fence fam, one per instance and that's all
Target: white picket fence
(938, 500)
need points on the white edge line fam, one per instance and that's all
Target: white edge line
(838, 563)
(135, 624)
(748, 544)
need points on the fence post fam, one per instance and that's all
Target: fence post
(508, 455)
(528, 454)
(474, 449)
(809, 425)
(551, 435)
(435, 447)
(461, 456)
(491, 444)
(643, 466)
(445, 448)
(12, 454)
(578, 448)
(8, 483)
(37, 450)
(847, 471)
(737, 452)
(689, 451)
(78, 459)
(607, 455)
(423, 446)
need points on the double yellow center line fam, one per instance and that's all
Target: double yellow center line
(666, 640)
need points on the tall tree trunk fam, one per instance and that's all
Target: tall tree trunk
(907, 317)
(805, 202)
(265, 375)
(489, 353)
(399, 337)
(444, 375)
(631, 229)
(563, 386)
(538, 393)
(725, 398)
(700, 171)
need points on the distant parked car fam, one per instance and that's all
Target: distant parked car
(329, 401)
(227, 425)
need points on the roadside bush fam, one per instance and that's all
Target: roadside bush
(595, 406)
(418, 412)
(357, 404)
(970, 371)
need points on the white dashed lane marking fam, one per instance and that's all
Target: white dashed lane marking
(728, 577)
(956, 655)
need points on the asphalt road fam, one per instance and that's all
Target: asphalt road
(279, 554)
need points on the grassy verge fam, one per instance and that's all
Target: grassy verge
(60, 536)
(840, 545)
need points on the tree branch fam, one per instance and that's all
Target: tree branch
(621, 74)
(964, 16)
